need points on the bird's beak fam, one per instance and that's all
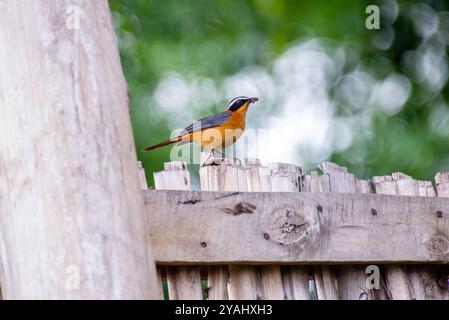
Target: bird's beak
(253, 100)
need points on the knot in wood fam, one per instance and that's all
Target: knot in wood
(438, 245)
(287, 226)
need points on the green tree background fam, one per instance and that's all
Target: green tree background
(382, 92)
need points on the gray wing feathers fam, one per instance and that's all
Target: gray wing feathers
(207, 122)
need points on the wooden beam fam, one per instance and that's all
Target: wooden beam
(296, 228)
(72, 223)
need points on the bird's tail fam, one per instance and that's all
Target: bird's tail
(164, 143)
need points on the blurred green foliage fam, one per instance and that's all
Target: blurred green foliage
(216, 39)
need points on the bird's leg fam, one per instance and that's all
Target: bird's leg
(221, 154)
(213, 155)
(205, 161)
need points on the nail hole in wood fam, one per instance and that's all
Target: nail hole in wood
(319, 208)
(439, 214)
(373, 212)
(443, 281)
(203, 244)
(266, 236)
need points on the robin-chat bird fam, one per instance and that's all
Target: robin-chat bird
(217, 131)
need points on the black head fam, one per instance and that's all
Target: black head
(239, 102)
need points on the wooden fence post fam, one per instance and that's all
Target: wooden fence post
(184, 282)
(72, 222)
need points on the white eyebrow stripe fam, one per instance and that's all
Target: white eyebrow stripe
(235, 99)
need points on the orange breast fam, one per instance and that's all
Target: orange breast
(222, 136)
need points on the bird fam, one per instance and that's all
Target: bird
(217, 131)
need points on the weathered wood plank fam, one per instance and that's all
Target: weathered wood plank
(144, 186)
(426, 282)
(342, 282)
(217, 286)
(184, 282)
(259, 227)
(296, 282)
(325, 282)
(397, 281)
(295, 279)
(217, 276)
(71, 209)
(224, 174)
(442, 184)
(278, 177)
(413, 281)
(266, 281)
(268, 278)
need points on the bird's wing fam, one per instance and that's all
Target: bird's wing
(212, 121)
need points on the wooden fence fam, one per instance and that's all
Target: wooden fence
(272, 232)
(74, 223)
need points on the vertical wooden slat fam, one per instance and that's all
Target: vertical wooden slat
(296, 282)
(430, 282)
(184, 283)
(250, 282)
(412, 282)
(340, 282)
(242, 283)
(325, 283)
(242, 279)
(397, 281)
(217, 286)
(269, 278)
(295, 279)
(324, 278)
(440, 274)
(218, 276)
(426, 280)
(144, 186)
(442, 184)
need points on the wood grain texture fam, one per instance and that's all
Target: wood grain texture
(412, 282)
(71, 209)
(266, 281)
(217, 285)
(144, 186)
(340, 282)
(295, 279)
(184, 282)
(325, 282)
(297, 227)
(218, 276)
(225, 174)
(296, 282)
(275, 177)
